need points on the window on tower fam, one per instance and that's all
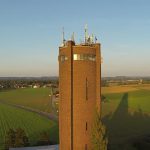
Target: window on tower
(86, 126)
(90, 57)
(86, 88)
(63, 58)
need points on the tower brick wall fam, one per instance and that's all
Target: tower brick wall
(79, 85)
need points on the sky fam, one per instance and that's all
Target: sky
(31, 30)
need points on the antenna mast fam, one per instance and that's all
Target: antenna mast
(63, 37)
(86, 33)
(95, 39)
(72, 37)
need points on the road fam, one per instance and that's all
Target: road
(44, 114)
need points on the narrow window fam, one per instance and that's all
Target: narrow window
(86, 89)
(86, 126)
(75, 57)
(85, 146)
(63, 58)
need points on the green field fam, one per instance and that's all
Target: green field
(34, 98)
(33, 124)
(126, 113)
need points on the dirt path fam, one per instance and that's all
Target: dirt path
(44, 114)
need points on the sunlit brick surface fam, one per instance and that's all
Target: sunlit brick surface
(85, 95)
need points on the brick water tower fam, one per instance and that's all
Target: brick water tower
(79, 86)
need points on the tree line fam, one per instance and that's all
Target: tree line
(13, 84)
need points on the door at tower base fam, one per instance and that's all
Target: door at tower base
(79, 86)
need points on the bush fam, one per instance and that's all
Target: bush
(44, 139)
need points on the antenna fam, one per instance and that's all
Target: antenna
(86, 33)
(92, 38)
(95, 39)
(63, 37)
(72, 37)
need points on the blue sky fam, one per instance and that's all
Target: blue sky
(30, 34)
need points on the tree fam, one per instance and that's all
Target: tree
(103, 98)
(21, 140)
(10, 139)
(99, 136)
(16, 138)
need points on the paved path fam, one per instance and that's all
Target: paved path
(44, 114)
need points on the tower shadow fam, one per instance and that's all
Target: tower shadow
(126, 130)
